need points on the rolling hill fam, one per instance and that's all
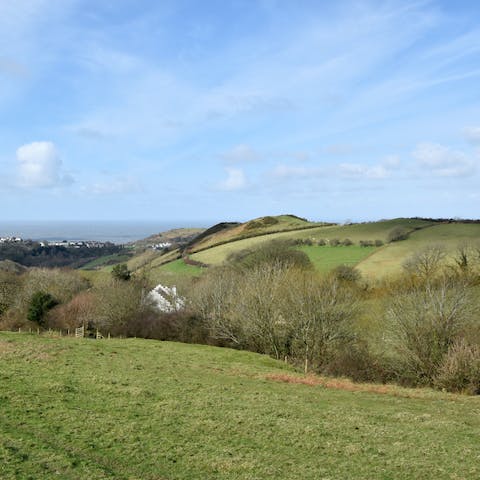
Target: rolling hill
(128, 409)
(213, 246)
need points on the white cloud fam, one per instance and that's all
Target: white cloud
(114, 186)
(287, 171)
(472, 134)
(240, 154)
(236, 180)
(392, 161)
(354, 170)
(339, 149)
(40, 166)
(443, 161)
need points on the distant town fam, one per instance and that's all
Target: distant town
(75, 243)
(63, 243)
(160, 246)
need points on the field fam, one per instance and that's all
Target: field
(253, 228)
(139, 409)
(217, 255)
(372, 262)
(179, 267)
(326, 258)
(375, 263)
(106, 260)
(389, 260)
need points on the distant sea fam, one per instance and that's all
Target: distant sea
(102, 231)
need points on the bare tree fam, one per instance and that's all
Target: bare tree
(321, 312)
(422, 324)
(213, 299)
(117, 303)
(426, 262)
(260, 307)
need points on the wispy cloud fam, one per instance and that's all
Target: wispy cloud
(472, 134)
(236, 180)
(240, 154)
(284, 171)
(117, 185)
(443, 161)
(351, 87)
(356, 170)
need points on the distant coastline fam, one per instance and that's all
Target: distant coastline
(118, 232)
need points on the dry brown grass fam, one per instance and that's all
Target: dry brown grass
(350, 386)
(24, 351)
(6, 348)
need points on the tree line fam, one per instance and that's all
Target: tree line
(419, 328)
(33, 254)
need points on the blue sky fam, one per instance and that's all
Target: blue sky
(224, 110)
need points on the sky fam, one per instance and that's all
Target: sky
(234, 109)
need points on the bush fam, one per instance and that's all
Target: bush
(460, 369)
(261, 223)
(346, 273)
(423, 324)
(121, 272)
(426, 262)
(117, 303)
(62, 284)
(10, 284)
(334, 242)
(322, 242)
(79, 311)
(40, 304)
(378, 243)
(357, 363)
(366, 243)
(274, 252)
(397, 234)
(320, 315)
(347, 242)
(174, 326)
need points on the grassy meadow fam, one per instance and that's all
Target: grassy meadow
(325, 258)
(372, 262)
(179, 267)
(106, 260)
(140, 409)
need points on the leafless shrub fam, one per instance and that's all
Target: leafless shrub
(427, 262)
(424, 323)
(460, 369)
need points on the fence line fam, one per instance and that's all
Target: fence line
(79, 332)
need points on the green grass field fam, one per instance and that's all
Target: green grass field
(217, 255)
(106, 260)
(253, 228)
(179, 267)
(140, 409)
(389, 260)
(376, 263)
(326, 258)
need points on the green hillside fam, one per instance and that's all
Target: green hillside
(263, 226)
(139, 409)
(448, 235)
(326, 258)
(214, 245)
(374, 262)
